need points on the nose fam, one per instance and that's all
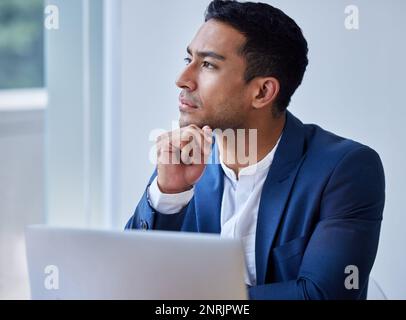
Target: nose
(186, 80)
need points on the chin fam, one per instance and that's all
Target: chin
(187, 120)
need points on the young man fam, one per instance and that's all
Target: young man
(309, 209)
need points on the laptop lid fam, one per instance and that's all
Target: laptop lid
(91, 264)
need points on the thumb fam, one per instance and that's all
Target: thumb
(207, 130)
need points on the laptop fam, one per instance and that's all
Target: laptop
(92, 264)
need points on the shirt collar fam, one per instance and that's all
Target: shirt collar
(254, 169)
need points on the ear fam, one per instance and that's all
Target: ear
(265, 92)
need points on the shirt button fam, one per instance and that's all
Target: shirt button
(144, 225)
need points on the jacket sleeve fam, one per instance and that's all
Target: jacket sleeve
(344, 243)
(145, 217)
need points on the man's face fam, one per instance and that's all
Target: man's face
(214, 92)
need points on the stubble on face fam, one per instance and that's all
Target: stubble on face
(223, 116)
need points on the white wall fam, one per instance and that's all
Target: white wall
(21, 194)
(353, 87)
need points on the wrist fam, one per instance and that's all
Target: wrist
(173, 191)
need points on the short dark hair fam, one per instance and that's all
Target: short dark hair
(274, 47)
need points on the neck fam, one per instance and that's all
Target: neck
(248, 148)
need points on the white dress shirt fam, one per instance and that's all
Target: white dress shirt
(239, 208)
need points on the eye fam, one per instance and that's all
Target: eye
(205, 64)
(208, 65)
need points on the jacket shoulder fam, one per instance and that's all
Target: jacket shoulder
(329, 147)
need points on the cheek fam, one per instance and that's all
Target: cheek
(209, 87)
(220, 91)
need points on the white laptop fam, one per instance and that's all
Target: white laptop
(84, 264)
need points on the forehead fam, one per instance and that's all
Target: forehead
(218, 37)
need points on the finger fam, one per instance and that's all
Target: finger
(167, 150)
(189, 152)
(192, 145)
(207, 143)
(190, 133)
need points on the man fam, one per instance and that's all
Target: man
(309, 210)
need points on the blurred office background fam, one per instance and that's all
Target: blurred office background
(78, 104)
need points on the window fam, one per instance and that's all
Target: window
(21, 44)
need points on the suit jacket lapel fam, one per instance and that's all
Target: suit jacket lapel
(209, 195)
(276, 190)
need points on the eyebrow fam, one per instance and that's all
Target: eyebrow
(203, 54)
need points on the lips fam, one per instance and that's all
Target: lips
(187, 103)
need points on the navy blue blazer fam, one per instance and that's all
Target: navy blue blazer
(320, 211)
